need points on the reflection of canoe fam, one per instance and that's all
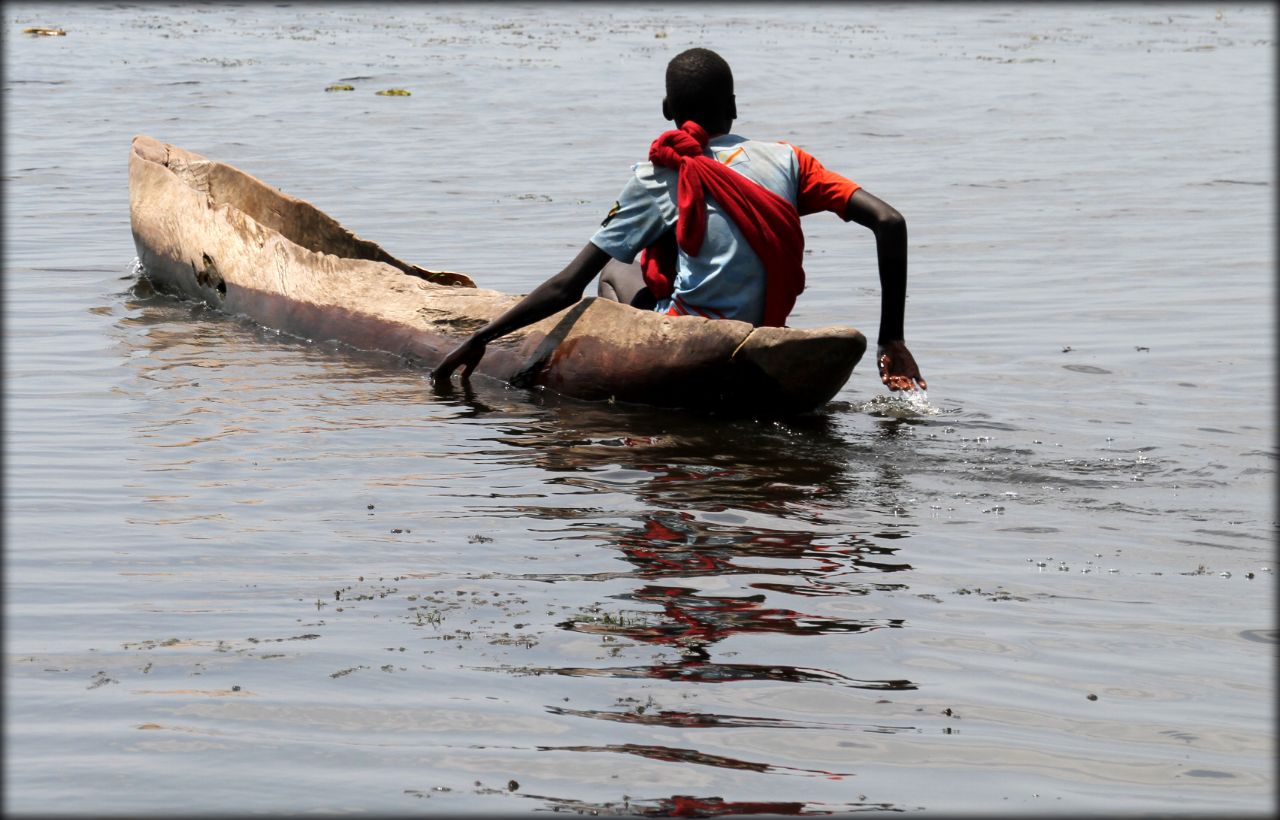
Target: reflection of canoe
(209, 231)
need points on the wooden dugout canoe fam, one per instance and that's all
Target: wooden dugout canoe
(206, 230)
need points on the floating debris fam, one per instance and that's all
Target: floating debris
(41, 31)
(393, 92)
(344, 87)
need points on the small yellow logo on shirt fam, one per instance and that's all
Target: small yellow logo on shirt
(617, 206)
(732, 157)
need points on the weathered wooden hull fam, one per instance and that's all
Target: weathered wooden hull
(206, 230)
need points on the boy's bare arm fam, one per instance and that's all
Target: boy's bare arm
(898, 369)
(555, 294)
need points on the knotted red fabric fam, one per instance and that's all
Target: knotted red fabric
(769, 222)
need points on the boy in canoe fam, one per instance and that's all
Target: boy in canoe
(715, 221)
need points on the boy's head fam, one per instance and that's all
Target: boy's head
(700, 88)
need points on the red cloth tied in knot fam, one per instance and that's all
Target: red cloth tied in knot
(769, 223)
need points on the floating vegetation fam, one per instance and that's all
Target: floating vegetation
(393, 92)
(226, 62)
(1010, 60)
(435, 617)
(341, 87)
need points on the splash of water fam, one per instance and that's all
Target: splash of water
(907, 404)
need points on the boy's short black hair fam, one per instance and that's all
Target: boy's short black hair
(699, 85)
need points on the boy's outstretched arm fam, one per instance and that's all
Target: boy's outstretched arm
(555, 294)
(898, 369)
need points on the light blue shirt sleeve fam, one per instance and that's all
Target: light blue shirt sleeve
(644, 211)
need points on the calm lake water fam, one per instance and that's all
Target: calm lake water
(252, 573)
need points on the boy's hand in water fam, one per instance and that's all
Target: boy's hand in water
(466, 355)
(898, 369)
